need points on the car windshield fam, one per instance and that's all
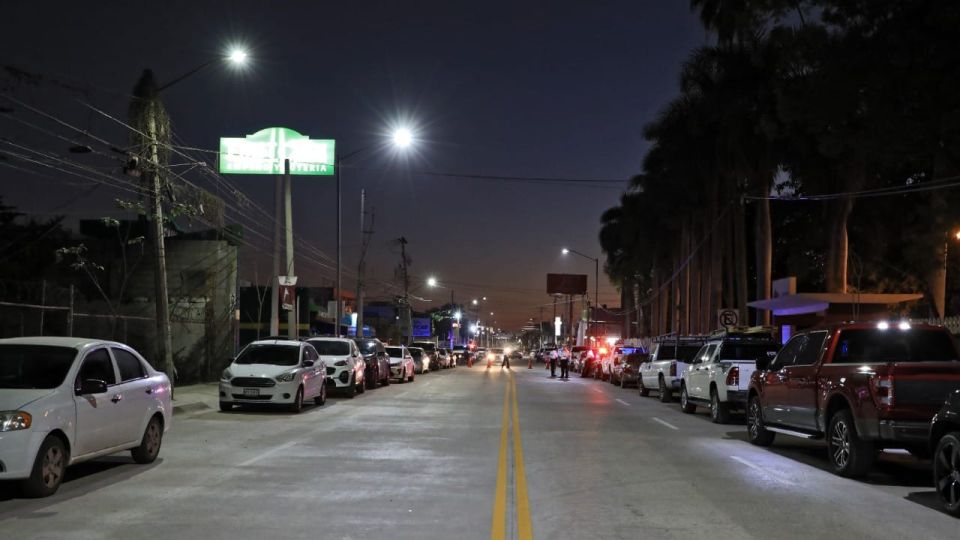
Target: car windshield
(272, 354)
(366, 347)
(416, 353)
(331, 347)
(395, 352)
(875, 345)
(748, 351)
(34, 366)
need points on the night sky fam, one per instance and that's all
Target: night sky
(521, 89)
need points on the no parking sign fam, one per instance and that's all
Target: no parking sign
(727, 317)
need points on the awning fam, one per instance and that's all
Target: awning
(802, 303)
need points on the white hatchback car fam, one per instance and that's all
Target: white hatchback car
(402, 367)
(65, 400)
(345, 364)
(274, 372)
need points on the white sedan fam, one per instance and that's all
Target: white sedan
(274, 372)
(67, 400)
(402, 366)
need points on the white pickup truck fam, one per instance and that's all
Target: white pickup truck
(719, 375)
(667, 363)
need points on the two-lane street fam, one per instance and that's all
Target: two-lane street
(422, 460)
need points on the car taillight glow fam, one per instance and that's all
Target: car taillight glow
(882, 387)
(603, 350)
(673, 368)
(733, 376)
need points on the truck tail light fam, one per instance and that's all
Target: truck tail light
(673, 368)
(882, 386)
(733, 376)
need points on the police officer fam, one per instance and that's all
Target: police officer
(564, 363)
(552, 360)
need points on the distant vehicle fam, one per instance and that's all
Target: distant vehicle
(578, 359)
(274, 371)
(945, 442)
(861, 386)
(402, 366)
(430, 351)
(345, 365)
(617, 364)
(68, 400)
(719, 375)
(461, 355)
(630, 368)
(446, 359)
(420, 360)
(668, 361)
(495, 355)
(376, 362)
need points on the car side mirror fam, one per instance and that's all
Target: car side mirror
(92, 386)
(308, 363)
(763, 363)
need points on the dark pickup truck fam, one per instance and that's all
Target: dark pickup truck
(860, 386)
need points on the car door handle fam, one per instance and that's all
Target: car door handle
(116, 398)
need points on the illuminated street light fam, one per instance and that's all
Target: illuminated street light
(431, 281)
(565, 251)
(475, 301)
(457, 315)
(402, 137)
(237, 56)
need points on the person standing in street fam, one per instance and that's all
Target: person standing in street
(552, 361)
(565, 363)
(505, 363)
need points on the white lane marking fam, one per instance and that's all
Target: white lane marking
(267, 453)
(760, 469)
(668, 424)
(622, 401)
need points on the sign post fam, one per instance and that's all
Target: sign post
(282, 152)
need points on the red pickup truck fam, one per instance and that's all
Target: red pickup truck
(860, 386)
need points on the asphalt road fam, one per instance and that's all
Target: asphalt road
(472, 453)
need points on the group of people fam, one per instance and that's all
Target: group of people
(559, 356)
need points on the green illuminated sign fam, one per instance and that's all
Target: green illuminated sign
(264, 152)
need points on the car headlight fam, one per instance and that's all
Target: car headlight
(340, 363)
(226, 375)
(15, 420)
(286, 377)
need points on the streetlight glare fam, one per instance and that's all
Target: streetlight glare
(238, 56)
(565, 251)
(474, 301)
(432, 282)
(456, 315)
(402, 137)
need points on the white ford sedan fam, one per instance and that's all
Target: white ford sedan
(272, 371)
(65, 400)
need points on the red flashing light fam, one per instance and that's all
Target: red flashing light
(603, 350)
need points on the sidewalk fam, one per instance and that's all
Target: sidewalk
(195, 397)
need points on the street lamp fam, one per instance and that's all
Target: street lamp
(596, 280)
(236, 57)
(399, 142)
(431, 281)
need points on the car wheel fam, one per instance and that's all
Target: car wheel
(150, 443)
(946, 472)
(371, 380)
(351, 388)
(403, 376)
(641, 389)
(666, 396)
(719, 412)
(685, 404)
(297, 404)
(850, 455)
(48, 469)
(412, 375)
(226, 406)
(386, 380)
(362, 387)
(757, 434)
(322, 398)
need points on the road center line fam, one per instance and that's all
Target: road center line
(524, 524)
(622, 401)
(499, 523)
(267, 453)
(668, 424)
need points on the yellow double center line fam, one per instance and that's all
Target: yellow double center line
(498, 530)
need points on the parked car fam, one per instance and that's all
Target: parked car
(446, 359)
(945, 442)
(668, 361)
(461, 355)
(719, 375)
(376, 362)
(345, 365)
(402, 367)
(431, 357)
(618, 364)
(578, 358)
(421, 361)
(68, 400)
(274, 371)
(630, 367)
(860, 386)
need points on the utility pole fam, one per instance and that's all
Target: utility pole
(152, 125)
(277, 242)
(361, 268)
(407, 327)
(292, 330)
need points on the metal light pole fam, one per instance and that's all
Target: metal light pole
(596, 283)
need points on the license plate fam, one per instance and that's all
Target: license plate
(251, 392)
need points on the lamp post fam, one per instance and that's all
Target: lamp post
(402, 138)
(596, 282)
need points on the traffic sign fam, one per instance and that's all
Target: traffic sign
(727, 317)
